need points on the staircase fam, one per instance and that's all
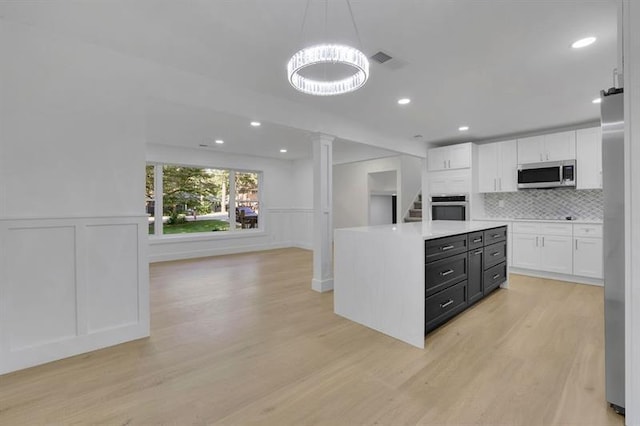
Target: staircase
(415, 213)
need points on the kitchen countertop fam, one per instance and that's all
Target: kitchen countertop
(428, 230)
(577, 221)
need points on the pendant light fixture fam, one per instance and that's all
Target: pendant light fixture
(328, 54)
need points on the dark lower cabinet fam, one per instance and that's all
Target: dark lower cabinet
(474, 277)
(460, 270)
(445, 304)
(494, 276)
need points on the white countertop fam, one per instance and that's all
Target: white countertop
(577, 221)
(428, 230)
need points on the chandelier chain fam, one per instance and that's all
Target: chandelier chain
(304, 19)
(355, 27)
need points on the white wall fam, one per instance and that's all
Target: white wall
(380, 210)
(73, 271)
(286, 218)
(351, 194)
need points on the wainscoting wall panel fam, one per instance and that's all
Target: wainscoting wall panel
(40, 286)
(282, 227)
(69, 286)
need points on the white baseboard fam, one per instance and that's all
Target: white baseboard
(556, 276)
(322, 286)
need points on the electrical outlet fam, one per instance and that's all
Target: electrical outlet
(500, 203)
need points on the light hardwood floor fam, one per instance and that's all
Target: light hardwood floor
(244, 340)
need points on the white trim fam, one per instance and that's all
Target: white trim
(322, 286)
(555, 276)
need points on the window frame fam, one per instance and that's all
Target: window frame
(158, 188)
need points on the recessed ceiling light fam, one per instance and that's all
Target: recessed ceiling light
(463, 128)
(583, 42)
(403, 101)
(283, 150)
(219, 141)
(255, 123)
(596, 101)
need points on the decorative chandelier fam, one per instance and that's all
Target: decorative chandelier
(331, 54)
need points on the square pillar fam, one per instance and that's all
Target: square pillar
(322, 212)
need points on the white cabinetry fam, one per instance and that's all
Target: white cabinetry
(449, 157)
(589, 158)
(498, 167)
(543, 246)
(587, 245)
(450, 182)
(551, 147)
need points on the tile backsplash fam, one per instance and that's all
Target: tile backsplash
(546, 204)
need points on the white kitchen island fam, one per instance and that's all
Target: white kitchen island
(379, 271)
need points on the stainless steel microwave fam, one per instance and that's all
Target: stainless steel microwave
(550, 174)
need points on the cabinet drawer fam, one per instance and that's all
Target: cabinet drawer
(494, 254)
(593, 231)
(476, 240)
(559, 229)
(494, 276)
(445, 304)
(494, 235)
(442, 273)
(445, 247)
(526, 228)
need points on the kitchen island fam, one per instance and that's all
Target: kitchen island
(404, 280)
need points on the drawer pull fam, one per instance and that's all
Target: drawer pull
(445, 248)
(495, 235)
(445, 273)
(477, 240)
(477, 252)
(495, 277)
(495, 254)
(445, 304)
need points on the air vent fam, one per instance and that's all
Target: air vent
(381, 57)
(203, 145)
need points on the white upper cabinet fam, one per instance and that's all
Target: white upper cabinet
(449, 157)
(589, 158)
(551, 147)
(497, 167)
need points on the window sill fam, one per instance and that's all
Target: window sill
(206, 236)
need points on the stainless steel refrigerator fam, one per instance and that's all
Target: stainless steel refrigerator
(612, 112)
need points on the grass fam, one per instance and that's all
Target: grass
(195, 226)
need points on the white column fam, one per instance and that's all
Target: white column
(232, 200)
(158, 192)
(631, 51)
(322, 212)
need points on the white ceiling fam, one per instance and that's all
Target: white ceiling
(501, 67)
(173, 124)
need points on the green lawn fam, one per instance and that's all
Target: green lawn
(196, 226)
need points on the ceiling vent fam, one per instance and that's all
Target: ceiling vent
(381, 57)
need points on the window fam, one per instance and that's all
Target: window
(199, 200)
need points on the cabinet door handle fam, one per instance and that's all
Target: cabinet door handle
(477, 252)
(495, 254)
(447, 303)
(536, 241)
(547, 155)
(542, 241)
(445, 248)
(576, 244)
(496, 276)
(447, 272)
(449, 163)
(444, 164)
(500, 184)
(477, 240)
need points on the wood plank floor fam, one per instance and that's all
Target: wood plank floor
(243, 339)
